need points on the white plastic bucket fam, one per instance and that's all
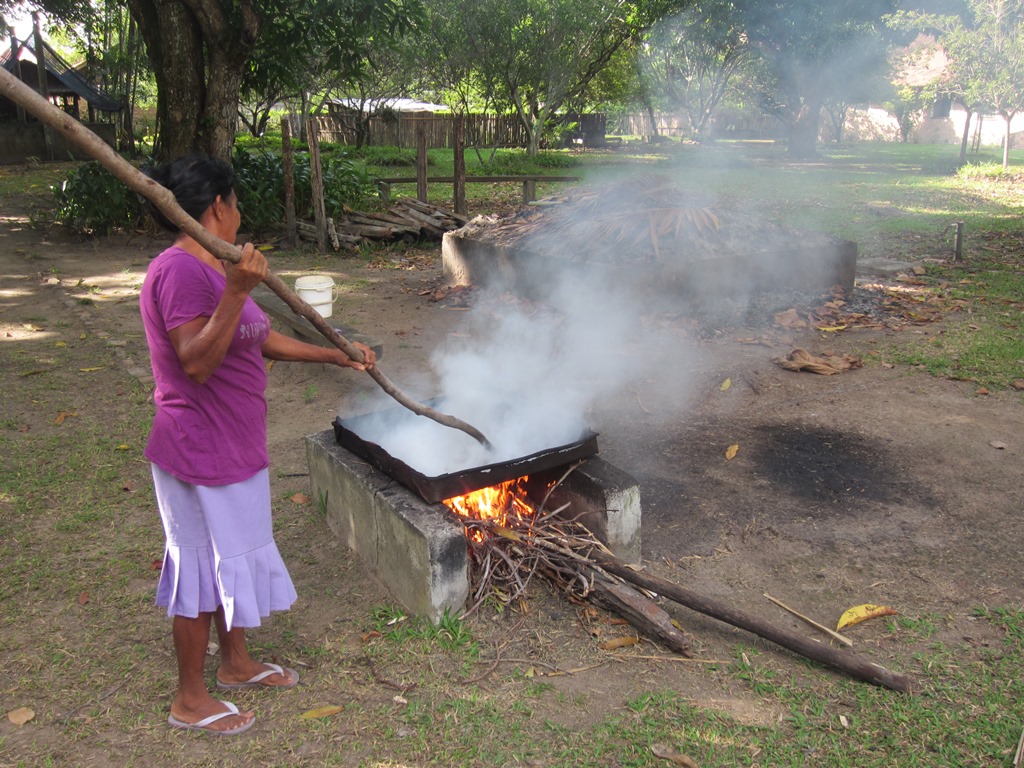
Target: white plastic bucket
(318, 292)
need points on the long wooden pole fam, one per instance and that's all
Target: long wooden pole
(844, 661)
(163, 199)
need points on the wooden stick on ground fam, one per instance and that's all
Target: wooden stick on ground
(834, 635)
(162, 198)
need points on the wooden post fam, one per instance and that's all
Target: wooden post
(421, 163)
(44, 90)
(459, 170)
(316, 179)
(291, 231)
(529, 191)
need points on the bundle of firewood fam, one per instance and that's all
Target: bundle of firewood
(408, 218)
(507, 552)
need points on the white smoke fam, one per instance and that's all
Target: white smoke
(526, 373)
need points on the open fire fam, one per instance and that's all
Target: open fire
(495, 504)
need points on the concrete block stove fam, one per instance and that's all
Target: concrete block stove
(418, 549)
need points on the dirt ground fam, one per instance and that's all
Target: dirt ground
(879, 485)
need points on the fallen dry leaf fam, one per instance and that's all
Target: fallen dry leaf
(618, 642)
(789, 319)
(726, 384)
(20, 716)
(666, 752)
(826, 365)
(860, 613)
(299, 498)
(63, 415)
(321, 712)
(507, 533)
(83, 598)
(731, 451)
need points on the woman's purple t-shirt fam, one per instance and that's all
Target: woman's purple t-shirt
(213, 433)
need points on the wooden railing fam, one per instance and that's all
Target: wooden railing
(529, 183)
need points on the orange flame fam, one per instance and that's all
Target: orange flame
(498, 504)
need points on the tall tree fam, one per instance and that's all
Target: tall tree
(312, 49)
(538, 55)
(203, 51)
(691, 58)
(812, 51)
(985, 47)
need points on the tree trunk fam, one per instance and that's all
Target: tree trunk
(198, 50)
(966, 137)
(1008, 117)
(220, 123)
(175, 46)
(803, 132)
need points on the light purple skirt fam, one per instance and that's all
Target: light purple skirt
(220, 550)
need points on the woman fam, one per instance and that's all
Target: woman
(208, 446)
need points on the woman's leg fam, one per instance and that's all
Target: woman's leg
(236, 665)
(193, 701)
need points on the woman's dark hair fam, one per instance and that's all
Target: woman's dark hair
(196, 181)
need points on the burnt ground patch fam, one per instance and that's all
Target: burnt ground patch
(830, 468)
(787, 475)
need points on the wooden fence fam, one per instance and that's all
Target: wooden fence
(399, 130)
(727, 124)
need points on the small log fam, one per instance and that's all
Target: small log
(332, 234)
(377, 228)
(369, 232)
(644, 614)
(419, 205)
(387, 218)
(430, 224)
(843, 661)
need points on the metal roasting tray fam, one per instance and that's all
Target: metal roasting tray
(439, 487)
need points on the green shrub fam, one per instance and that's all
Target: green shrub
(556, 160)
(988, 171)
(518, 163)
(387, 157)
(260, 186)
(91, 201)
